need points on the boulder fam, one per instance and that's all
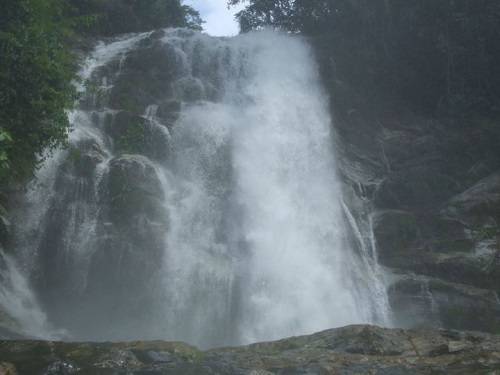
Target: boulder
(146, 77)
(169, 111)
(189, 89)
(134, 190)
(134, 134)
(83, 158)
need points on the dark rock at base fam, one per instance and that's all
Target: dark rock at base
(348, 350)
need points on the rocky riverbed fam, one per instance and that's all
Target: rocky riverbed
(349, 350)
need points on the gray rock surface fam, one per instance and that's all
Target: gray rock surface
(433, 186)
(348, 350)
(426, 301)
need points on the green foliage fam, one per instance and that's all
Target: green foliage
(36, 69)
(37, 66)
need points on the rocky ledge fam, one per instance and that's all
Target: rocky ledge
(349, 350)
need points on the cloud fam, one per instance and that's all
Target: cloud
(219, 20)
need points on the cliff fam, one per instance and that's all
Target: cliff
(431, 182)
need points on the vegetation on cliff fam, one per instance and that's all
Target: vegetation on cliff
(439, 56)
(38, 65)
(35, 83)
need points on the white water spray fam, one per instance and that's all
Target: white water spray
(256, 246)
(261, 203)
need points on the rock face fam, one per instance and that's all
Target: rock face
(434, 190)
(349, 350)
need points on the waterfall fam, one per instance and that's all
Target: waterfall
(21, 309)
(199, 199)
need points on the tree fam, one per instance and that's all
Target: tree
(36, 70)
(37, 66)
(437, 55)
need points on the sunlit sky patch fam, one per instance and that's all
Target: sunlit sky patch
(219, 19)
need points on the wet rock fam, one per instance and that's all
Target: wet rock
(423, 301)
(10, 329)
(437, 211)
(348, 350)
(146, 77)
(134, 134)
(130, 236)
(62, 368)
(169, 112)
(396, 234)
(134, 190)
(441, 234)
(368, 341)
(189, 89)
(83, 158)
(438, 246)
(437, 206)
(478, 203)
(73, 204)
(401, 147)
(417, 188)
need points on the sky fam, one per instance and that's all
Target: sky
(219, 20)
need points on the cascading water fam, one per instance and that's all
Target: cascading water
(199, 200)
